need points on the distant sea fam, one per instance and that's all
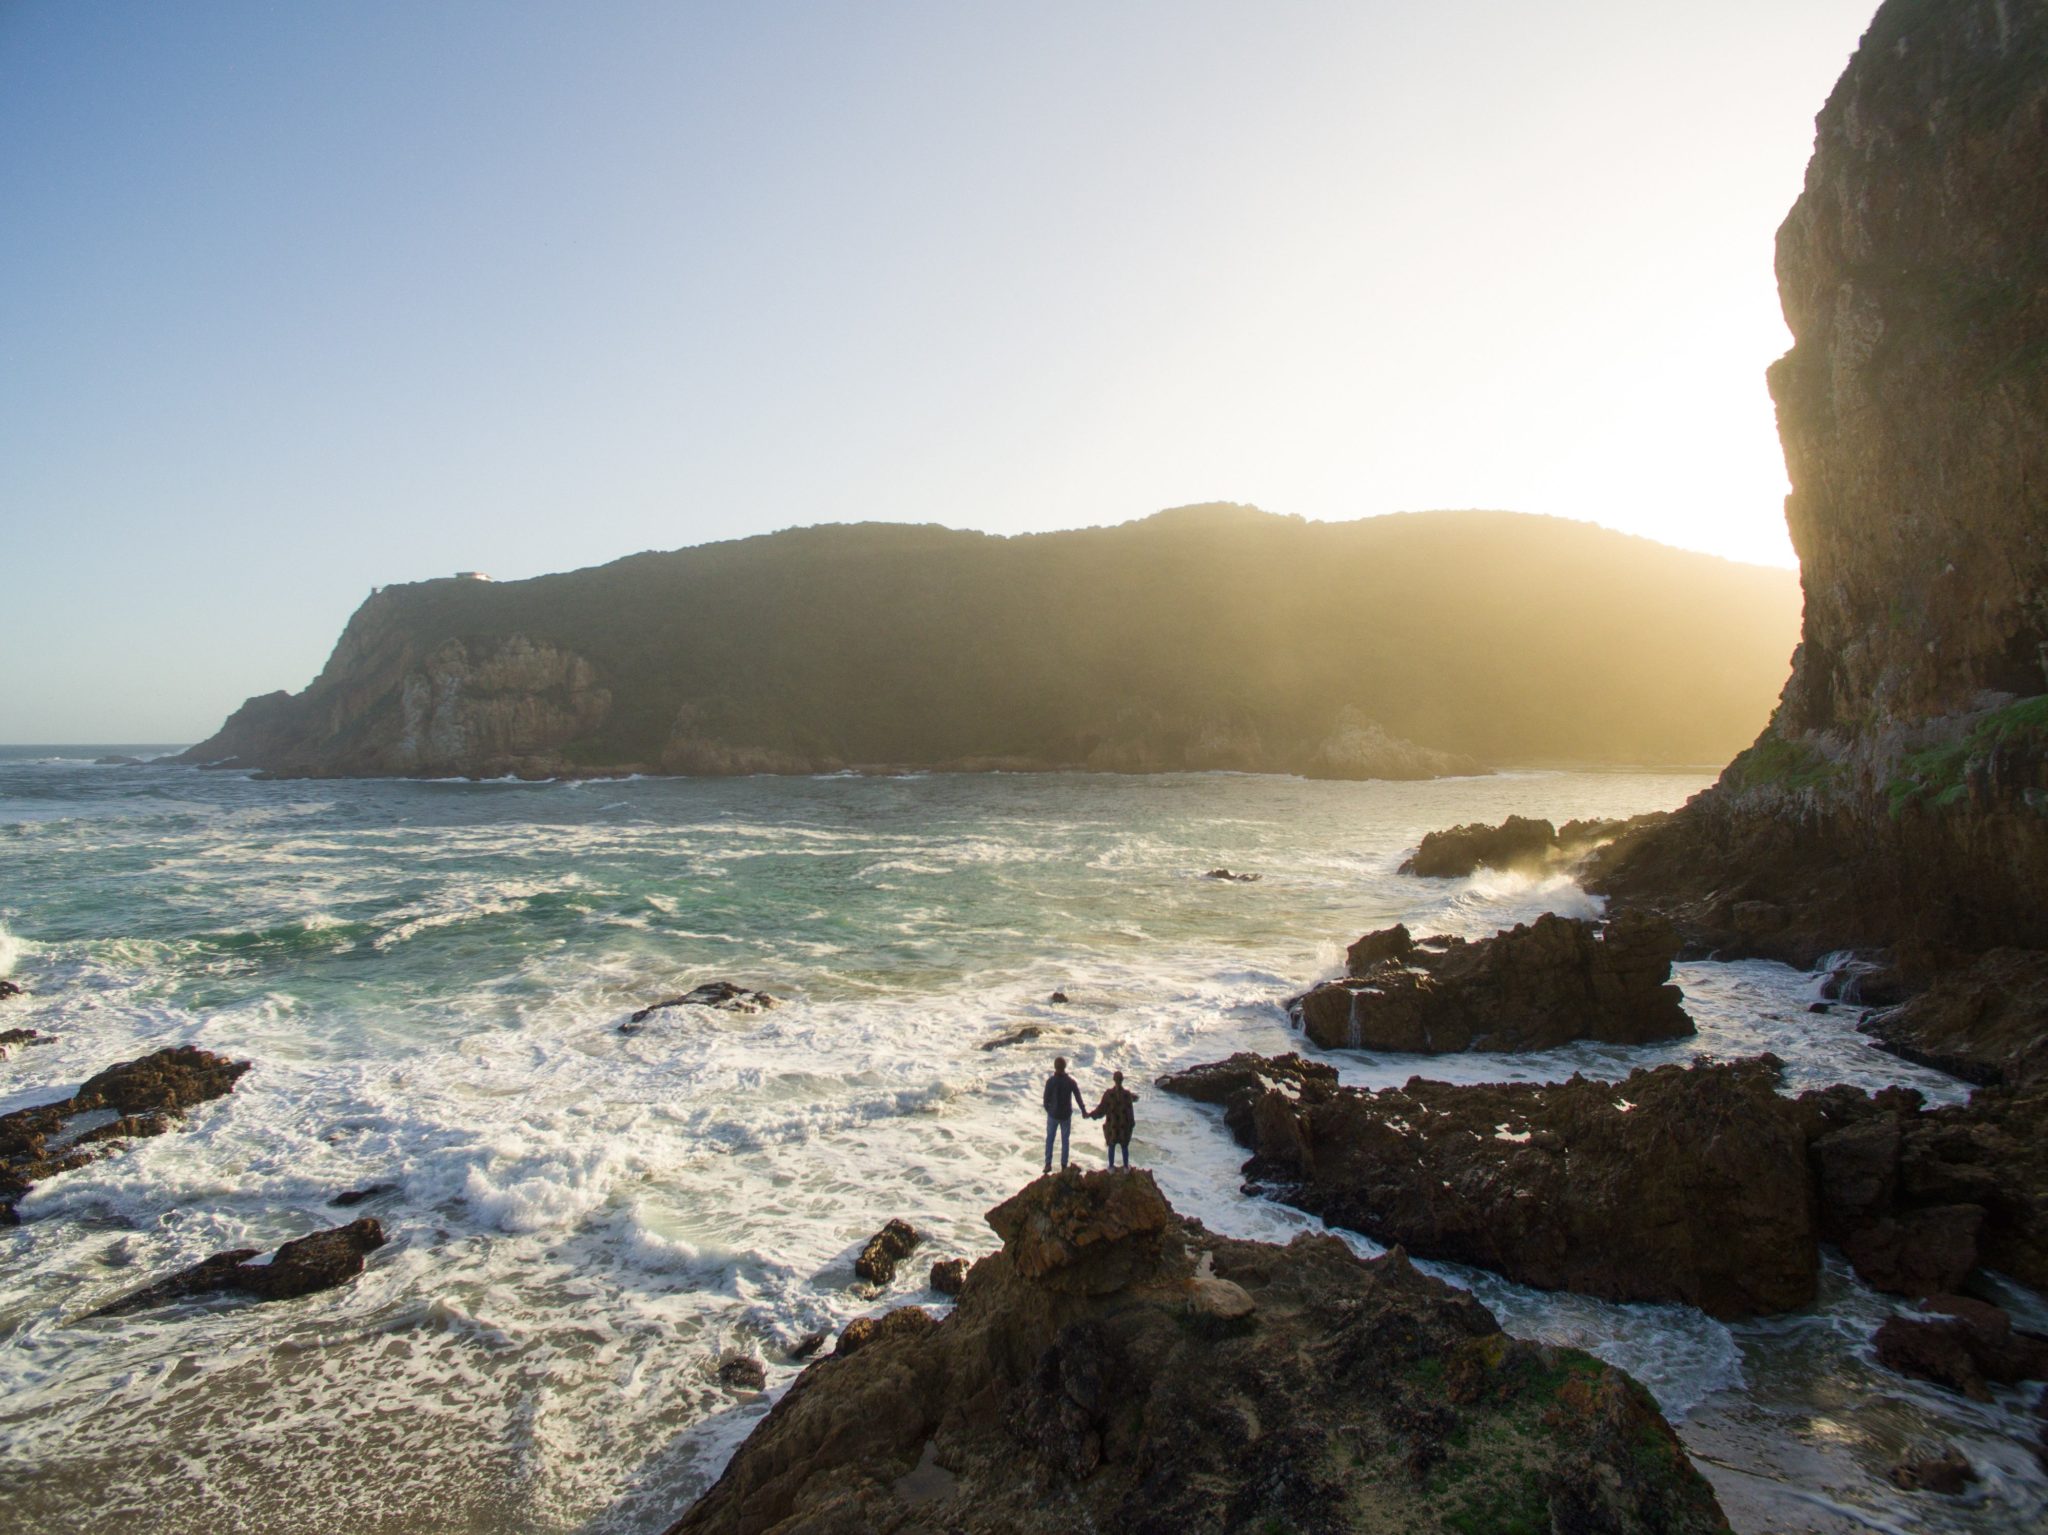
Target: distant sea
(430, 978)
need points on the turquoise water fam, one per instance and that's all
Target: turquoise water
(429, 978)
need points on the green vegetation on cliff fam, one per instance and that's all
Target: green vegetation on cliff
(1208, 637)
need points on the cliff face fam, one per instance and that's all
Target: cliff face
(1207, 638)
(1899, 796)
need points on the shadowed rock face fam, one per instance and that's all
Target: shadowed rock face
(1516, 843)
(1116, 1367)
(1533, 987)
(1898, 796)
(1674, 1184)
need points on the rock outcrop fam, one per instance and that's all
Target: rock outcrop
(885, 1249)
(1899, 798)
(1117, 1367)
(1919, 1197)
(134, 1098)
(1519, 842)
(1985, 1021)
(1963, 1344)
(1533, 987)
(299, 1267)
(725, 996)
(1142, 648)
(1675, 1184)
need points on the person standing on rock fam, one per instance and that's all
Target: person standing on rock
(1118, 1113)
(1062, 1097)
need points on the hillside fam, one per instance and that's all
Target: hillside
(1206, 637)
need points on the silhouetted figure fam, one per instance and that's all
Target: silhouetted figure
(1062, 1097)
(1118, 1113)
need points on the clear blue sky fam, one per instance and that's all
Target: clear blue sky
(300, 299)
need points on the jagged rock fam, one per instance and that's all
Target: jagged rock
(1674, 1184)
(1532, 987)
(1917, 1197)
(144, 1094)
(1985, 1022)
(743, 1372)
(1963, 1344)
(299, 1267)
(1237, 1084)
(885, 1249)
(1944, 1469)
(1517, 843)
(1016, 1036)
(948, 1275)
(726, 996)
(1041, 1405)
(1238, 879)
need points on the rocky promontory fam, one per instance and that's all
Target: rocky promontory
(1674, 1184)
(1148, 647)
(1898, 800)
(1117, 1367)
(1533, 987)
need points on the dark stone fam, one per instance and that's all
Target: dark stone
(1058, 996)
(23, 1037)
(1115, 1367)
(1943, 1469)
(1696, 1191)
(299, 1267)
(1929, 1251)
(743, 1372)
(885, 1249)
(9, 989)
(354, 1197)
(1532, 987)
(948, 1275)
(724, 995)
(1964, 1344)
(809, 1344)
(1016, 1036)
(1518, 842)
(1225, 874)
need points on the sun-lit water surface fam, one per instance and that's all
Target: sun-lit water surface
(430, 978)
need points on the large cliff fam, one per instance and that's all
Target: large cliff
(1899, 797)
(1208, 637)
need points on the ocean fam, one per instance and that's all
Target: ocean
(430, 978)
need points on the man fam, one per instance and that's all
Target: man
(1119, 1118)
(1062, 1096)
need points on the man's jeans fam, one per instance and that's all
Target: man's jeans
(1061, 1125)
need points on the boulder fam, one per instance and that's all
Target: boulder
(1096, 1375)
(948, 1275)
(1964, 1344)
(299, 1267)
(1236, 879)
(23, 1037)
(1944, 1469)
(1022, 1034)
(726, 996)
(9, 989)
(742, 1372)
(1533, 987)
(885, 1249)
(1677, 1184)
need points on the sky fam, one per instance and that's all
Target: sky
(297, 300)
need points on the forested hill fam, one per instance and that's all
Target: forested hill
(1206, 637)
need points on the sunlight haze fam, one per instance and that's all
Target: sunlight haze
(307, 300)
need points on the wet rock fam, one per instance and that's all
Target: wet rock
(1238, 1084)
(1058, 996)
(1237, 879)
(142, 1096)
(1686, 1184)
(351, 1197)
(1917, 1197)
(1944, 1469)
(948, 1275)
(1282, 1388)
(885, 1249)
(743, 1372)
(1518, 842)
(809, 1344)
(1964, 1344)
(9, 989)
(1985, 1022)
(299, 1267)
(1532, 987)
(1016, 1036)
(23, 1037)
(725, 996)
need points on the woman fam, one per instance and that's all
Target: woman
(1119, 1117)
